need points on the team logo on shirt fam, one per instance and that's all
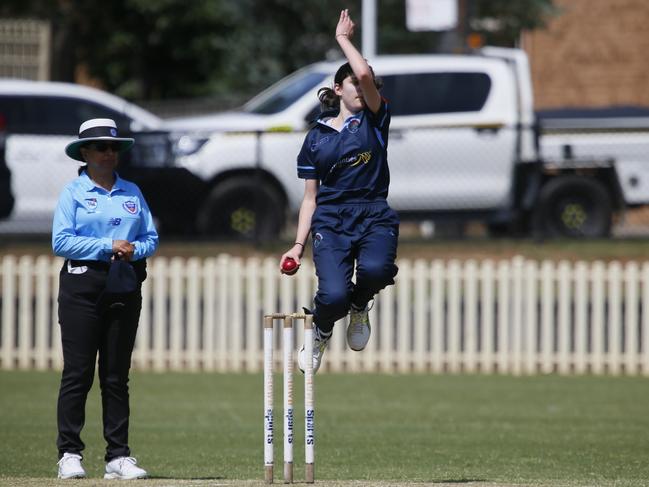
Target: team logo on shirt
(315, 145)
(362, 158)
(91, 203)
(130, 206)
(353, 125)
(114, 221)
(351, 161)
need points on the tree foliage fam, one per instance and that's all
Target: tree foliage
(509, 18)
(159, 49)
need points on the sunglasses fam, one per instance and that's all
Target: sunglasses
(104, 146)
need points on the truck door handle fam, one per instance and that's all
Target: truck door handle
(488, 129)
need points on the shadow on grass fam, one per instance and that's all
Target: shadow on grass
(458, 481)
(163, 477)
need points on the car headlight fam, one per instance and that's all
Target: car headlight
(186, 145)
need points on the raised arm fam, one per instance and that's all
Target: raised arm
(362, 71)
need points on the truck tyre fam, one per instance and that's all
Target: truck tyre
(6, 196)
(240, 208)
(573, 206)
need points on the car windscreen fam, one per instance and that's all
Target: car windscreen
(283, 94)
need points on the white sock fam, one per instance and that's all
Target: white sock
(321, 336)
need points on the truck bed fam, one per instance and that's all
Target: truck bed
(618, 133)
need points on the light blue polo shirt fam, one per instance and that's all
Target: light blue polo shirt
(88, 218)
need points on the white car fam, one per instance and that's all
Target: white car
(41, 117)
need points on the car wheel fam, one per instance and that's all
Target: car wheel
(573, 206)
(241, 209)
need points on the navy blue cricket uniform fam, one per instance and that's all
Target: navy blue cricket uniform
(352, 220)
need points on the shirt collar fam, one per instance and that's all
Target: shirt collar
(334, 113)
(120, 184)
(89, 185)
(326, 114)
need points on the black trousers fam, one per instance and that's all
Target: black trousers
(88, 332)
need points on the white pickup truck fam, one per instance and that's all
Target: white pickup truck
(464, 145)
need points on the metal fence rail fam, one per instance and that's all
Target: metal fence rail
(513, 316)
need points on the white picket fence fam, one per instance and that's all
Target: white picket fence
(513, 316)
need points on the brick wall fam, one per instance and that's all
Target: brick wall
(594, 54)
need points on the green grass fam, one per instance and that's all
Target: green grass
(381, 429)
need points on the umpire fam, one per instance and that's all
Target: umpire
(105, 231)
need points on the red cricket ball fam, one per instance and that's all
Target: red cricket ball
(289, 266)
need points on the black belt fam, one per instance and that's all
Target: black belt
(99, 265)
(102, 265)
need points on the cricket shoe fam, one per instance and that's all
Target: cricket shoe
(319, 345)
(359, 329)
(70, 467)
(124, 468)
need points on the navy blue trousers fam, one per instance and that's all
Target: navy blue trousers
(361, 234)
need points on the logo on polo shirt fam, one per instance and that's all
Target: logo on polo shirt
(114, 221)
(318, 143)
(130, 206)
(353, 125)
(362, 158)
(91, 203)
(350, 161)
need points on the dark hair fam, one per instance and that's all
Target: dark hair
(328, 97)
(85, 164)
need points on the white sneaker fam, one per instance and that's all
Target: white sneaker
(319, 346)
(70, 467)
(124, 468)
(359, 329)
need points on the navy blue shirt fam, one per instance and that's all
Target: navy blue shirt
(351, 165)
